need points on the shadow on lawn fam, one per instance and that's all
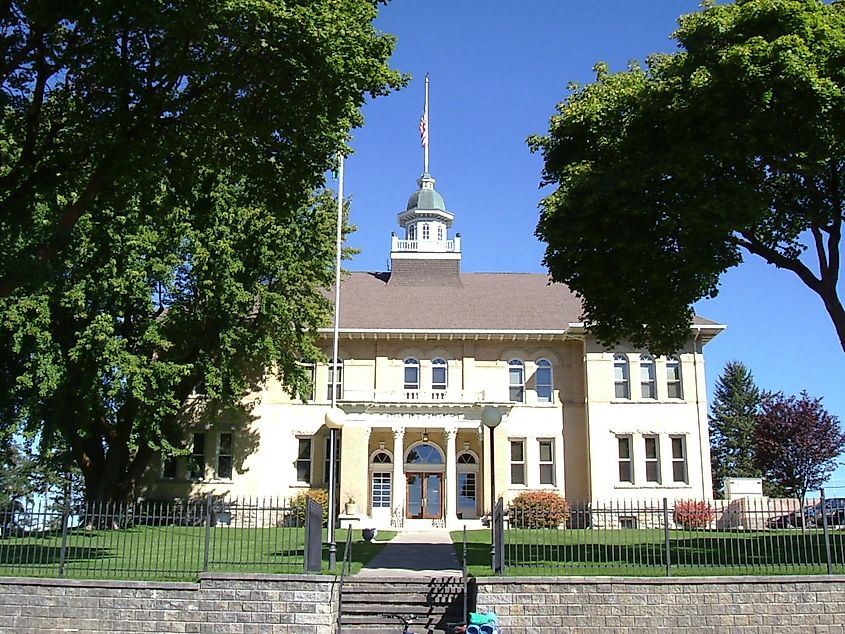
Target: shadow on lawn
(29, 555)
(753, 550)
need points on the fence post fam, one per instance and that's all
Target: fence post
(208, 518)
(825, 532)
(667, 535)
(65, 518)
(465, 616)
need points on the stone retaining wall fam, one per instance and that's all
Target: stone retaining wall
(244, 604)
(218, 604)
(741, 605)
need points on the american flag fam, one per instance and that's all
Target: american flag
(424, 129)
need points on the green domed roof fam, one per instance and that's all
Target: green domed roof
(426, 197)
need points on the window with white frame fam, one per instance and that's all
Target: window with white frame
(412, 232)
(303, 461)
(626, 471)
(327, 458)
(679, 459)
(516, 378)
(440, 233)
(544, 381)
(652, 459)
(335, 366)
(439, 375)
(621, 376)
(426, 231)
(517, 462)
(381, 489)
(310, 369)
(674, 388)
(547, 461)
(225, 455)
(648, 385)
(196, 463)
(412, 374)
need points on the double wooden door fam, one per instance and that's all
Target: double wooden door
(424, 495)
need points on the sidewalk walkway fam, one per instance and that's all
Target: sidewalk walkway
(418, 553)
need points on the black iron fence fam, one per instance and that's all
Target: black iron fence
(155, 540)
(686, 537)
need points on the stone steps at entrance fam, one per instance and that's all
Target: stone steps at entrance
(435, 602)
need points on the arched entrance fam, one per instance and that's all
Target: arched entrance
(424, 469)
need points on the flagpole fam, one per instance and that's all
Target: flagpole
(334, 414)
(427, 134)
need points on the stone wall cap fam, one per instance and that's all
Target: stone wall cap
(779, 579)
(257, 576)
(100, 583)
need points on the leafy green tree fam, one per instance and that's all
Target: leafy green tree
(736, 400)
(164, 226)
(667, 175)
(797, 443)
(102, 100)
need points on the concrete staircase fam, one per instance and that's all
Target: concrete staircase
(434, 601)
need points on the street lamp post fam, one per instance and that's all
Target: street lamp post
(334, 420)
(491, 416)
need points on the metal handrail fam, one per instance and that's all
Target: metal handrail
(345, 566)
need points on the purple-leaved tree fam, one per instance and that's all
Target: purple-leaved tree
(797, 442)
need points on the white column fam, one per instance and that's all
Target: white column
(398, 488)
(451, 485)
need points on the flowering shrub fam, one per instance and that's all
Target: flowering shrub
(693, 513)
(299, 504)
(538, 509)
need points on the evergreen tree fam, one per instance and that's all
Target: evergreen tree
(732, 419)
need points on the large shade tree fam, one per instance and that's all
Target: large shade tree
(162, 220)
(667, 175)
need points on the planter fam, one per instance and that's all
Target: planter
(351, 508)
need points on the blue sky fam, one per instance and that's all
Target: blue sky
(497, 69)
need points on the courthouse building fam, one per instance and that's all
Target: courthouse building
(423, 348)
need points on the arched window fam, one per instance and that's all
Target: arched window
(543, 379)
(426, 231)
(516, 378)
(440, 233)
(381, 480)
(412, 374)
(647, 378)
(467, 485)
(336, 365)
(381, 457)
(673, 378)
(424, 454)
(439, 375)
(467, 458)
(412, 232)
(621, 374)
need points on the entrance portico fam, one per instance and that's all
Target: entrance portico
(419, 473)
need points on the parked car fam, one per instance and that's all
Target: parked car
(789, 520)
(834, 512)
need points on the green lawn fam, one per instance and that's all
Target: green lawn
(170, 552)
(633, 552)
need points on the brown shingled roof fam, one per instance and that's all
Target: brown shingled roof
(484, 301)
